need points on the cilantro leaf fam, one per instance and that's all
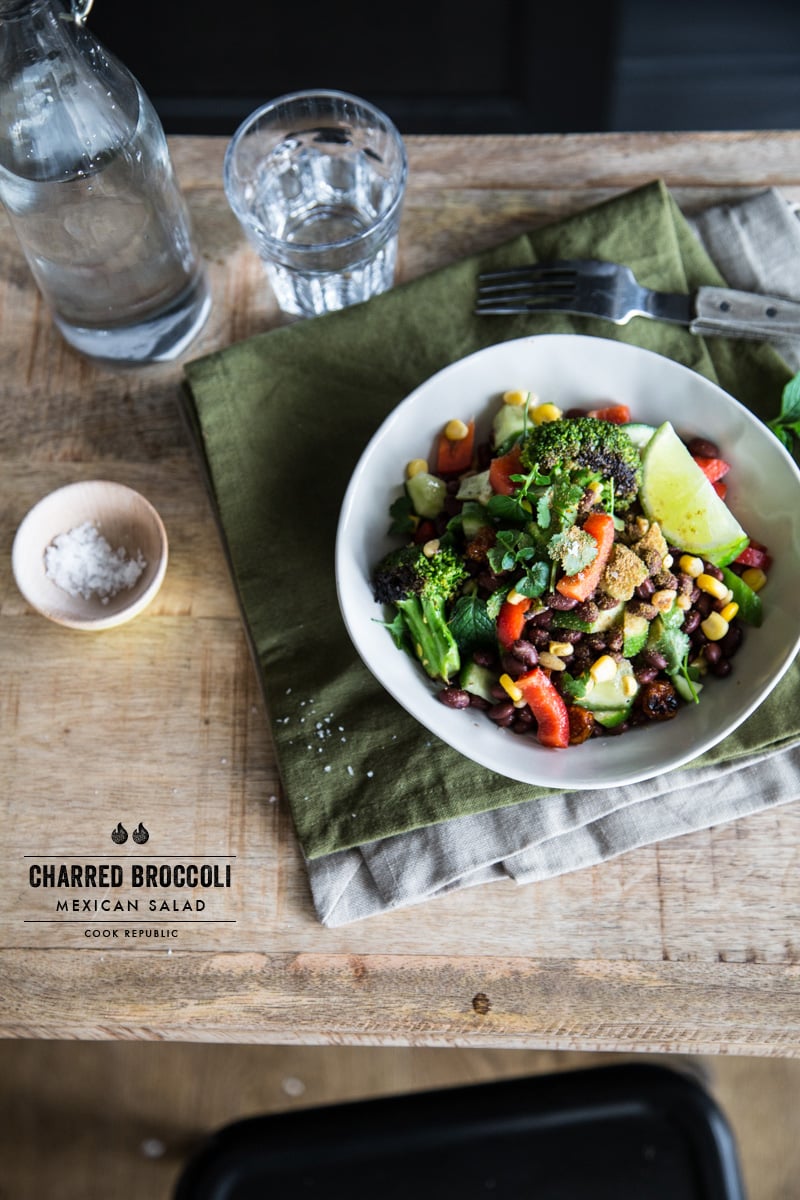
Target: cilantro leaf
(401, 512)
(669, 639)
(786, 426)
(535, 581)
(573, 548)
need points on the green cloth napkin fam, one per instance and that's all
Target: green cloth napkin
(281, 420)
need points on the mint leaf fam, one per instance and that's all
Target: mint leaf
(471, 625)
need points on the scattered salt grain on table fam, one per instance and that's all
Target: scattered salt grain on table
(82, 563)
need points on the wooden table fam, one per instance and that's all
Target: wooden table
(692, 945)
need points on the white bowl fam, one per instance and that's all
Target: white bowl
(576, 371)
(124, 518)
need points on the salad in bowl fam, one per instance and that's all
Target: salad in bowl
(573, 560)
(574, 575)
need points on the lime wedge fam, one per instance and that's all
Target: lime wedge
(676, 493)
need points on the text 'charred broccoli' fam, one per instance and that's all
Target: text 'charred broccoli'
(587, 443)
(419, 586)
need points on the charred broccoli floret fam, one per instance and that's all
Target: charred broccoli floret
(419, 587)
(587, 443)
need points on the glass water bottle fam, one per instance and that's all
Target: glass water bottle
(87, 181)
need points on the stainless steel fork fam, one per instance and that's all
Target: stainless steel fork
(593, 287)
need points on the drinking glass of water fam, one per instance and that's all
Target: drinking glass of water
(317, 181)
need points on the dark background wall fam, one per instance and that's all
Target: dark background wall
(470, 66)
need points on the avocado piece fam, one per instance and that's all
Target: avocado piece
(427, 493)
(606, 619)
(478, 680)
(475, 487)
(635, 629)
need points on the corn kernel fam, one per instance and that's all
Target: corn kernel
(714, 627)
(456, 430)
(510, 688)
(667, 562)
(683, 602)
(561, 649)
(714, 587)
(755, 578)
(602, 669)
(417, 466)
(729, 611)
(629, 686)
(543, 413)
(430, 548)
(515, 597)
(690, 565)
(515, 398)
(726, 599)
(551, 662)
(663, 599)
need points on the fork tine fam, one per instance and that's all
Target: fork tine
(509, 305)
(527, 287)
(531, 272)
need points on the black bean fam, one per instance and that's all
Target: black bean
(646, 674)
(478, 702)
(702, 448)
(539, 637)
(732, 640)
(691, 621)
(512, 666)
(705, 603)
(714, 571)
(543, 619)
(526, 652)
(722, 668)
(498, 691)
(502, 714)
(559, 602)
(712, 653)
(587, 611)
(654, 658)
(615, 640)
(665, 579)
(484, 658)
(573, 636)
(604, 601)
(454, 697)
(645, 589)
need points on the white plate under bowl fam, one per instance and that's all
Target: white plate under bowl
(576, 371)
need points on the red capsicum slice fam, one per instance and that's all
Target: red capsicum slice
(547, 706)
(511, 622)
(454, 456)
(617, 414)
(501, 469)
(712, 468)
(580, 586)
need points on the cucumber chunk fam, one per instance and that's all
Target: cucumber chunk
(478, 680)
(427, 493)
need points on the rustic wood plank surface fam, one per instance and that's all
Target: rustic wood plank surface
(690, 946)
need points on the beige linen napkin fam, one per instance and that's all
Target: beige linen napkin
(756, 245)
